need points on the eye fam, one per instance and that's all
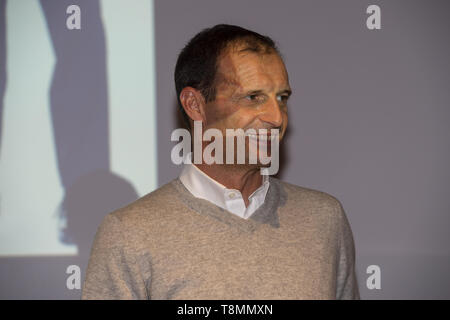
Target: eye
(252, 97)
(283, 98)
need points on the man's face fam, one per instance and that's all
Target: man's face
(252, 90)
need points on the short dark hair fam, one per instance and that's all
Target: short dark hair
(197, 62)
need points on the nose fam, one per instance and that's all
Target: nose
(272, 113)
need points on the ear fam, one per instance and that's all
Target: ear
(193, 103)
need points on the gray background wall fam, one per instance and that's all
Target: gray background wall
(369, 124)
(369, 120)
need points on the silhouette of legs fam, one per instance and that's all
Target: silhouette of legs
(79, 104)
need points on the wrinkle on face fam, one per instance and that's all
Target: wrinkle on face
(238, 73)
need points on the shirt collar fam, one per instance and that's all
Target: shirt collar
(202, 186)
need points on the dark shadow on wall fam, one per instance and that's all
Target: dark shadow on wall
(85, 205)
(79, 109)
(78, 95)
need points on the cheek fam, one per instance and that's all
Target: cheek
(232, 117)
(219, 113)
(245, 118)
(235, 120)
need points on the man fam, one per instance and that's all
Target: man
(224, 231)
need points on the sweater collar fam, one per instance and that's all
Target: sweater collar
(200, 185)
(266, 214)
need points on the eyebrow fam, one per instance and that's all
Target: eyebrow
(287, 91)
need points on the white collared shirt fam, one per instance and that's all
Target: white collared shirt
(202, 186)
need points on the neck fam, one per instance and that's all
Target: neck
(244, 178)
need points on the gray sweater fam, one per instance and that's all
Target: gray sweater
(171, 245)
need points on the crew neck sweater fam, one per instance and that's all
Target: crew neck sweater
(171, 245)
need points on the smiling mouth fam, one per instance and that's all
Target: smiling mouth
(263, 138)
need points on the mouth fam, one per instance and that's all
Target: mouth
(261, 141)
(262, 137)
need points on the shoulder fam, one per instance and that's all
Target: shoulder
(154, 207)
(308, 195)
(309, 199)
(129, 229)
(317, 209)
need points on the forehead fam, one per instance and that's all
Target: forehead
(246, 68)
